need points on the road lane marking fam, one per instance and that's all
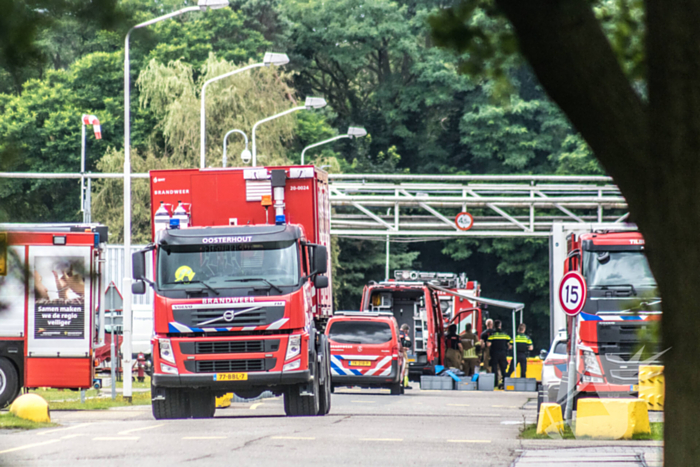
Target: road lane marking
(116, 438)
(458, 405)
(63, 429)
(381, 439)
(363, 402)
(255, 406)
(468, 440)
(292, 437)
(28, 446)
(140, 429)
(204, 437)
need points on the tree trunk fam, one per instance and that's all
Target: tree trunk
(653, 153)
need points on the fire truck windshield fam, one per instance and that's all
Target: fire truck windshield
(228, 265)
(617, 268)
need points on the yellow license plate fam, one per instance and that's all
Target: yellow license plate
(231, 377)
(411, 360)
(360, 363)
(635, 388)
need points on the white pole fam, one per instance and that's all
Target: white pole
(573, 370)
(82, 170)
(202, 111)
(515, 348)
(319, 144)
(386, 269)
(226, 138)
(293, 109)
(126, 281)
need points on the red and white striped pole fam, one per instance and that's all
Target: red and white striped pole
(87, 120)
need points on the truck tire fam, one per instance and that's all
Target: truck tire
(9, 383)
(325, 389)
(296, 405)
(173, 407)
(202, 404)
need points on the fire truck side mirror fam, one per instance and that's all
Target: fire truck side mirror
(320, 259)
(138, 288)
(138, 265)
(321, 282)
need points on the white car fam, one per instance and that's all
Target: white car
(554, 365)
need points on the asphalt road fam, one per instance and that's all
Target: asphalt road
(364, 428)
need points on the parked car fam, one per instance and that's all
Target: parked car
(365, 350)
(554, 366)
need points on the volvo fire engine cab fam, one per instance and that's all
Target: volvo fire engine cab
(416, 304)
(50, 321)
(621, 307)
(242, 287)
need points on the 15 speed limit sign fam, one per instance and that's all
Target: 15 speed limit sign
(572, 293)
(464, 221)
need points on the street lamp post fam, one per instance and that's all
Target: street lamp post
(245, 154)
(309, 103)
(269, 59)
(353, 132)
(85, 206)
(126, 282)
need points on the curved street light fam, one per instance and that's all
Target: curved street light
(353, 132)
(309, 103)
(269, 59)
(245, 154)
(126, 281)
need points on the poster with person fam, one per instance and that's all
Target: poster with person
(59, 291)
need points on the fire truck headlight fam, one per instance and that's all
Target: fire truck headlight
(168, 369)
(166, 350)
(293, 346)
(292, 366)
(591, 379)
(590, 363)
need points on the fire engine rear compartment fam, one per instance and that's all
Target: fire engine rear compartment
(408, 307)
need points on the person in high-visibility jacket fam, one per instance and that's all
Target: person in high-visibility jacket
(523, 345)
(498, 346)
(470, 360)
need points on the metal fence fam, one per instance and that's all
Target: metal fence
(113, 270)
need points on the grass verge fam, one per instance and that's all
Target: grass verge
(530, 432)
(70, 400)
(10, 422)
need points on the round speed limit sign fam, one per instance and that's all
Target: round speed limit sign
(464, 221)
(572, 293)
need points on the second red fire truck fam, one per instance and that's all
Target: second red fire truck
(242, 288)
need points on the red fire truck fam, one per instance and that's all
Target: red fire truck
(49, 299)
(621, 305)
(242, 288)
(416, 304)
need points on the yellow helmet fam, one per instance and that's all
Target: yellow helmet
(184, 272)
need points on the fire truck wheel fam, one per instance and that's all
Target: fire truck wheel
(202, 404)
(172, 407)
(324, 401)
(296, 405)
(9, 382)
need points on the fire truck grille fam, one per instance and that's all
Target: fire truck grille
(216, 318)
(216, 366)
(229, 347)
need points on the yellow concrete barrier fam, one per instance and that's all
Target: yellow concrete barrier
(534, 368)
(224, 401)
(611, 418)
(31, 407)
(652, 386)
(550, 419)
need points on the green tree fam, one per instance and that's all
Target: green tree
(648, 144)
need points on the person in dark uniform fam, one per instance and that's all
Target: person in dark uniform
(405, 340)
(523, 346)
(498, 346)
(453, 355)
(486, 352)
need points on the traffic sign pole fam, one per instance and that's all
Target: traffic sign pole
(572, 297)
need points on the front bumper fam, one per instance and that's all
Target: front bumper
(206, 381)
(368, 381)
